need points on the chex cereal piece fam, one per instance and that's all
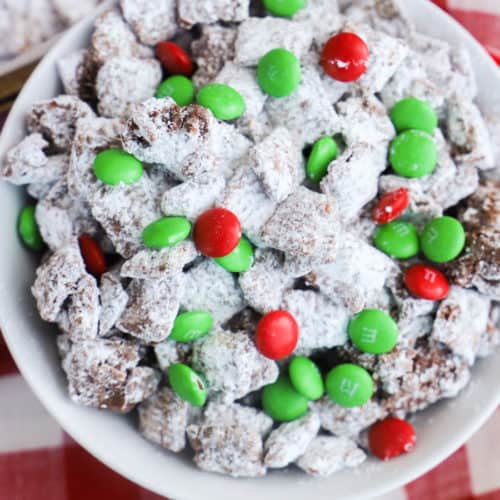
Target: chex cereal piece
(344, 280)
(245, 82)
(231, 364)
(211, 51)
(290, 440)
(153, 21)
(67, 67)
(71, 12)
(393, 366)
(326, 455)
(56, 279)
(230, 147)
(437, 373)
(462, 78)
(113, 37)
(191, 198)
(61, 218)
(264, 284)
(103, 373)
(364, 119)
(83, 310)
(56, 118)
(461, 320)
(169, 352)
(163, 419)
(159, 264)
(122, 81)
(245, 196)
(27, 162)
(114, 299)
(386, 55)
(200, 166)
(352, 179)
(92, 135)
(124, 211)
(322, 18)
(257, 36)
(322, 323)
(211, 288)
(39, 190)
(211, 11)
(159, 131)
(491, 337)
(256, 128)
(278, 163)
(383, 15)
(307, 113)
(412, 82)
(304, 224)
(482, 208)
(228, 446)
(468, 133)
(151, 309)
(348, 422)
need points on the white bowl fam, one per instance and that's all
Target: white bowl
(114, 439)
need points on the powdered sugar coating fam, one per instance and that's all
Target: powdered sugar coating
(163, 419)
(153, 21)
(114, 299)
(257, 36)
(290, 440)
(103, 373)
(159, 264)
(169, 352)
(326, 455)
(152, 308)
(322, 323)
(67, 67)
(71, 12)
(321, 17)
(461, 320)
(56, 279)
(231, 364)
(264, 284)
(211, 288)
(210, 11)
(308, 113)
(122, 81)
(55, 119)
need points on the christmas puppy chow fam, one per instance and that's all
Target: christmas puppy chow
(272, 255)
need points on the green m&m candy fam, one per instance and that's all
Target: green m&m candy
(282, 402)
(187, 384)
(113, 166)
(349, 385)
(28, 228)
(306, 378)
(413, 113)
(191, 325)
(283, 8)
(413, 153)
(166, 232)
(179, 88)
(397, 239)
(324, 151)
(373, 331)
(239, 260)
(443, 239)
(225, 102)
(279, 73)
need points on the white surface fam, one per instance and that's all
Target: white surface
(25, 422)
(115, 441)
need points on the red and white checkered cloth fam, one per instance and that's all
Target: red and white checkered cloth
(39, 462)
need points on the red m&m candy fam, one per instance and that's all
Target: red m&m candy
(277, 335)
(391, 206)
(217, 232)
(345, 57)
(426, 282)
(391, 437)
(92, 255)
(174, 58)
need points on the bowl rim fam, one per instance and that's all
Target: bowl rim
(72, 428)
